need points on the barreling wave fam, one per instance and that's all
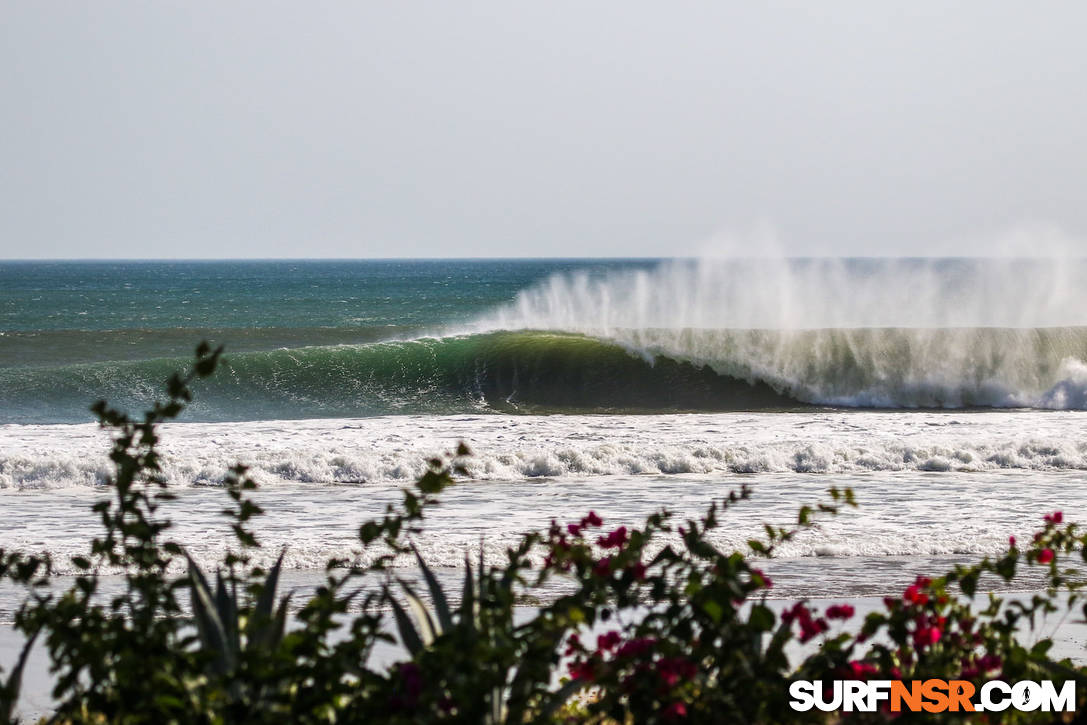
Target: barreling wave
(862, 333)
(889, 367)
(646, 370)
(499, 371)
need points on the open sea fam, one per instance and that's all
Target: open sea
(949, 393)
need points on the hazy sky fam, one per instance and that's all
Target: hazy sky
(634, 128)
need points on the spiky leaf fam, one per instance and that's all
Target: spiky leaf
(408, 636)
(437, 594)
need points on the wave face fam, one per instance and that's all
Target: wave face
(500, 372)
(635, 371)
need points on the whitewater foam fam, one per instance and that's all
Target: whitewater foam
(514, 448)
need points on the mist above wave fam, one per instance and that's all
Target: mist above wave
(851, 332)
(807, 294)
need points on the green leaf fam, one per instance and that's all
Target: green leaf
(713, 609)
(969, 584)
(267, 597)
(468, 595)
(369, 532)
(209, 627)
(408, 636)
(227, 607)
(428, 631)
(273, 634)
(441, 605)
(762, 618)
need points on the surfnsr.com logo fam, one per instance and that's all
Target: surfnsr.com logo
(932, 695)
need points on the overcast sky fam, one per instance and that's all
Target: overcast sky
(634, 128)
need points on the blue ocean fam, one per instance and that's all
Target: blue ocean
(302, 339)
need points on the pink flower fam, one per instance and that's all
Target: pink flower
(914, 595)
(1045, 556)
(760, 579)
(1011, 541)
(582, 671)
(795, 611)
(592, 520)
(635, 647)
(673, 669)
(615, 539)
(602, 567)
(812, 628)
(1054, 518)
(674, 711)
(840, 611)
(809, 626)
(607, 642)
(926, 636)
(574, 529)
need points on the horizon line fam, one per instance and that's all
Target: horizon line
(23, 260)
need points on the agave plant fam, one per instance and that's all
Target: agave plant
(430, 624)
(426, 624)
(227, 630)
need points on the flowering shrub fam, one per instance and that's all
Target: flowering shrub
(643, 633)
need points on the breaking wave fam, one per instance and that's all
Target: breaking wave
(636, 371)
